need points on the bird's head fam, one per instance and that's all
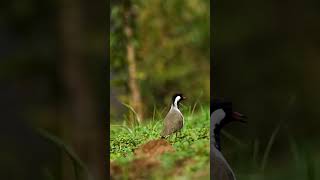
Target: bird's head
(176, 98)
(222, 113)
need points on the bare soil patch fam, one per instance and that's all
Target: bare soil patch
(153, 148)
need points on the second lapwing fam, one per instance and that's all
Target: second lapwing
(174, 120)
(221, 115)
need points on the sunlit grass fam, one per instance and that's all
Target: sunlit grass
(191, 145)
(252, 159)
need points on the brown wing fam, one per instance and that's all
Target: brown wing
(172, 123)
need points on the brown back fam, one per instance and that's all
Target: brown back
(173, 122)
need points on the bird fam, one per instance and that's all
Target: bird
(174, 120)
(221, 115)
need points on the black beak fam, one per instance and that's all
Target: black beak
(236, 116)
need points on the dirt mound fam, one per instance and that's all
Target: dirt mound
(145, 158)
(153, 148)
(145, 161)
(115, 171)
(142, 168)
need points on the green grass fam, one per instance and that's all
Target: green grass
(299, 161)
(250, 159)
(192, 144)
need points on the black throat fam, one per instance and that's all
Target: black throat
(216, 132)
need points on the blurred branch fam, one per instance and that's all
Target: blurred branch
(131, 58)
(80, 125)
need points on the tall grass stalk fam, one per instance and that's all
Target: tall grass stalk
(134, 112)
(234, 139)
(76, 161)
(196, 103)
(268, 148)
(255, 151)
(294, 149)
(154, 112)
(123, 127)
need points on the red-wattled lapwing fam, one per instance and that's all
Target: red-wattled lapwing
(221, 115)
(174, 120)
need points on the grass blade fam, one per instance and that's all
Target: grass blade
(76, 161)
(255, 152)
(233, 138)
(134, 112)
(270, 143)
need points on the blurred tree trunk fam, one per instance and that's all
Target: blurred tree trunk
(79, 123)
(135, 100)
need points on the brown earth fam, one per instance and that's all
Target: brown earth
(180, 164)
(145, 160)
(115, 171)
(153, 148)
(142, 168)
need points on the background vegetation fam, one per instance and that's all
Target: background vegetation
(266, 60)
(52, 73)
(53, 89)
(159, 48)
(171, 42)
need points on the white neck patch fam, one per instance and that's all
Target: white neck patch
(217, 116)
(176, 100)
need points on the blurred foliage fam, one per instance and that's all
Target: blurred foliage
(172, 40)
(266, 60)
(34, 87)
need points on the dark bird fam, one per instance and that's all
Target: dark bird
(221, 115)
(174, 120)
